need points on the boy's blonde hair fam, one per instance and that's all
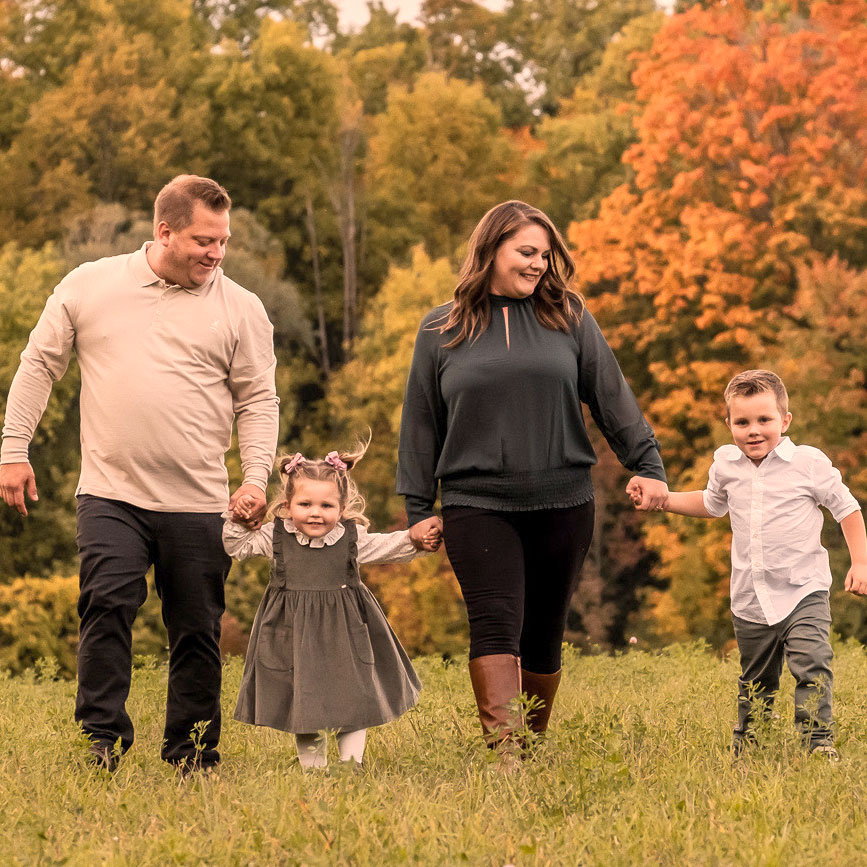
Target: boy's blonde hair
(751, 382)
(334, 467)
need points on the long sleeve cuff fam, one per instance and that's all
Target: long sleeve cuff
(14, 450)
(418, 509)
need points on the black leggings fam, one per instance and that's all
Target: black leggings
(516, 571)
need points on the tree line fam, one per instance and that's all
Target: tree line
(707, 165)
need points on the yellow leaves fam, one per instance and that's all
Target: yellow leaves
(38, 619)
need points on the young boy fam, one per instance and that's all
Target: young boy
(772, 489)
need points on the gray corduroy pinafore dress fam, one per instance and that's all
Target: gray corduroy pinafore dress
(322, 654)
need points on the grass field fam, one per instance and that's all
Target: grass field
(637, 771)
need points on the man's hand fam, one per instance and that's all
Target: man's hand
(647, 494)
(427, 535)
(15, 479)
(856, 580)
(248, 505)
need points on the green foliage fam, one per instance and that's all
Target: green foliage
(636, 770)
(824, 366)
(38, 620)
(43, 542)
(114, 130)
(367, 392)
(582, 159)
(564, 40)
(438, 159)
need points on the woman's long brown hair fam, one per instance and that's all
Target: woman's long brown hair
(556, 304)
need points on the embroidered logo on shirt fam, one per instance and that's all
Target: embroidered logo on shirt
(215, 325)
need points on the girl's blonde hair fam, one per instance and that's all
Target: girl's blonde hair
(334, 467)
(556, 304)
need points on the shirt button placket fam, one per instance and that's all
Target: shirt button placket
(165, 291)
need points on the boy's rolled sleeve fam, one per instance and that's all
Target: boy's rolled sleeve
(716, 502)
(830, 491)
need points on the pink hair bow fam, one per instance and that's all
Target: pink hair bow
(296, 459)
(333, 459)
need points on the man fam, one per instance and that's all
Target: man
(170, 351)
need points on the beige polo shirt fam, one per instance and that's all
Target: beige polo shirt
(164, 370)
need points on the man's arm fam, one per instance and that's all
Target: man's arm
(856, 540)
(43, 362)
(256, 407)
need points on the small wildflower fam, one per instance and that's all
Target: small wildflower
(633, 640)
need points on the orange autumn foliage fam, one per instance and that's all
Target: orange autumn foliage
(750, 164)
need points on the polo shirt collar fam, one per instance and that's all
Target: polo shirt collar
(146, 276)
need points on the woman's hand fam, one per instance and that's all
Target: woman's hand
(647, 494)
(427, 535)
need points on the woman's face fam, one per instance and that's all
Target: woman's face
(520, 262)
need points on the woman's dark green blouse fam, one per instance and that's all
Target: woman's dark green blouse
(498, 421)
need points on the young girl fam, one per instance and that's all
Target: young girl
(322, 654)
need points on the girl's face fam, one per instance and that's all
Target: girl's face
(315, 507)
(520, 262)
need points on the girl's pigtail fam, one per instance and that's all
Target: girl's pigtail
(355, 505)
(352, 457)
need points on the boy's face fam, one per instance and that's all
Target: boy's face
(756, 424)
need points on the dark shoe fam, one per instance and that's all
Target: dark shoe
(102, 757)
(496, 681)
(542, 687)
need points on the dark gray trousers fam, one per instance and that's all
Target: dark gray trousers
(118, 543)
(803, 640)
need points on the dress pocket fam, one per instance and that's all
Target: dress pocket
(360, 640)
(274, 648)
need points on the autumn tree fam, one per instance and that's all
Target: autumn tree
(367, 394)
(581, 160)
(750, 162)
(823, 361)
(561, 41)
(438, 159)
(44, 542)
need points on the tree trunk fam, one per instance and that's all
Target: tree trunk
(317, 286)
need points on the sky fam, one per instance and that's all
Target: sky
(353, 13)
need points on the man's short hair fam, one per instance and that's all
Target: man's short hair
(751, 382)
(175, 202)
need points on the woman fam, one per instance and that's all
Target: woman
(493, 414)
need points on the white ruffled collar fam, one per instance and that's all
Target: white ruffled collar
(335, 534)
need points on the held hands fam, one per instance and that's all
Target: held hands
(647, 494)
(15, 480)
(856, 579)
(427, 535)
(248, 505)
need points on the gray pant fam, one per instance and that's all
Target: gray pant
(803, 639)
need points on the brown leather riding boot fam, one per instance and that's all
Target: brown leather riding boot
(496, 683)
(544, 687)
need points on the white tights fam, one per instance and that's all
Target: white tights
(313, 748)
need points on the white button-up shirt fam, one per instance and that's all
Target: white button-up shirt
(777, 556)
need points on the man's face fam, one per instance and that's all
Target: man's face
(190, 255)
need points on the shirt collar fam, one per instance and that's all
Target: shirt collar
(335, 534)
(146, 276)
(784, 449)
